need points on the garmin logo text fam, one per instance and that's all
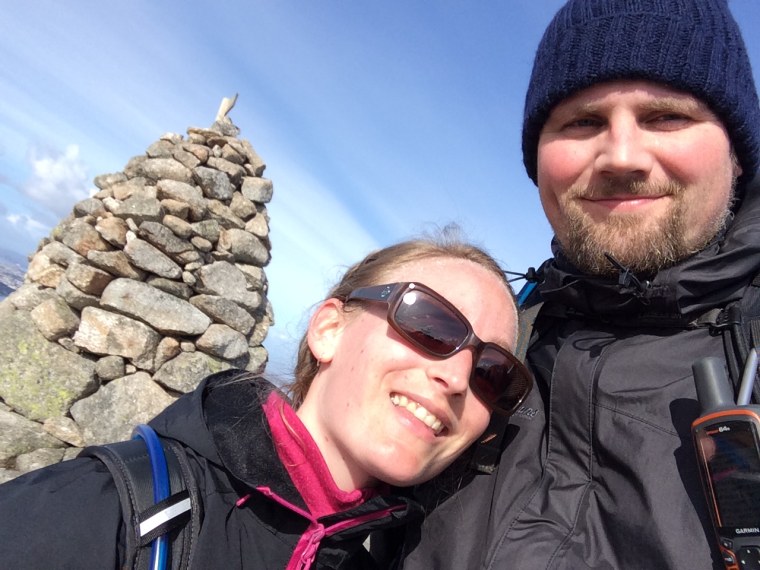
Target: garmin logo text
(748, 530)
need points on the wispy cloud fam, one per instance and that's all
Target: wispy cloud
(20, 232)
(59, 179)
(26, 223)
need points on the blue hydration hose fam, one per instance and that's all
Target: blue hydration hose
(161, 489)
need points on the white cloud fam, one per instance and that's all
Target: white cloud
(27, 224)
(20, 232)
(58, 180)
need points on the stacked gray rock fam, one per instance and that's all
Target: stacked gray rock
(147, 287)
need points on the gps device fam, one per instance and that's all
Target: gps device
(727, 440)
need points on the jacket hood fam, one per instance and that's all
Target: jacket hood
(711, 278)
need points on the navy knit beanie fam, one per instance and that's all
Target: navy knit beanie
(690, 45)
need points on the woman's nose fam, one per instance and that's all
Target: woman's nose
(453, 373)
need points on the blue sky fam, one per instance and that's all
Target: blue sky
(377, 120)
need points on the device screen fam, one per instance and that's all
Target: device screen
(733, 463)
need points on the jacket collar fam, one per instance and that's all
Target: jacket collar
(232, 404)
(222, 421)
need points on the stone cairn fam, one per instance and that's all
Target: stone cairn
(147, 287)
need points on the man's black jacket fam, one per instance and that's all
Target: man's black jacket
(600, 468)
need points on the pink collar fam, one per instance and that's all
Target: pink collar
(305, 464)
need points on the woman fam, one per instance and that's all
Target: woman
(392, 384)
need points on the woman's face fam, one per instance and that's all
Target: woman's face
(372, 404)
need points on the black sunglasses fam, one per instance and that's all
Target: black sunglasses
(436, 327)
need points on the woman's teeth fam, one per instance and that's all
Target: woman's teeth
(418, 411)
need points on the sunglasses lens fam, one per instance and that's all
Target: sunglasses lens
(429, 324)
(497, 380)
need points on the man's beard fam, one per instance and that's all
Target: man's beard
(637, 244)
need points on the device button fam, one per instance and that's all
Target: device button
(727, 543)
(749, 558)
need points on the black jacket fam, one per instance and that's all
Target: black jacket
(600, 468)
(67, 516)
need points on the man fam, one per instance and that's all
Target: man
(642, 132)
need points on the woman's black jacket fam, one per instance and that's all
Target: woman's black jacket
(67, 516)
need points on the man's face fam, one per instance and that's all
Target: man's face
(637, 170)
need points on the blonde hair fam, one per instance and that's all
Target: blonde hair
(371, 271)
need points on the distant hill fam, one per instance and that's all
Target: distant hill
(5, 290)
(8, 257)
(12, 268)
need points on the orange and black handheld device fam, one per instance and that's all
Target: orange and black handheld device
(727, 440)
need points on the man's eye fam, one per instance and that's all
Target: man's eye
(582, 123)
(670, 120)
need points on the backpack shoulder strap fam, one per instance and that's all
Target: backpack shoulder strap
(529, 302)
(739, 325)
(527, 316)
(183, 545)
(180, 514)
(749, 329)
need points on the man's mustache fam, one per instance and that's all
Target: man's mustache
(617, 188)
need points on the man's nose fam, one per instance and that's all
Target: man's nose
(625, 149)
